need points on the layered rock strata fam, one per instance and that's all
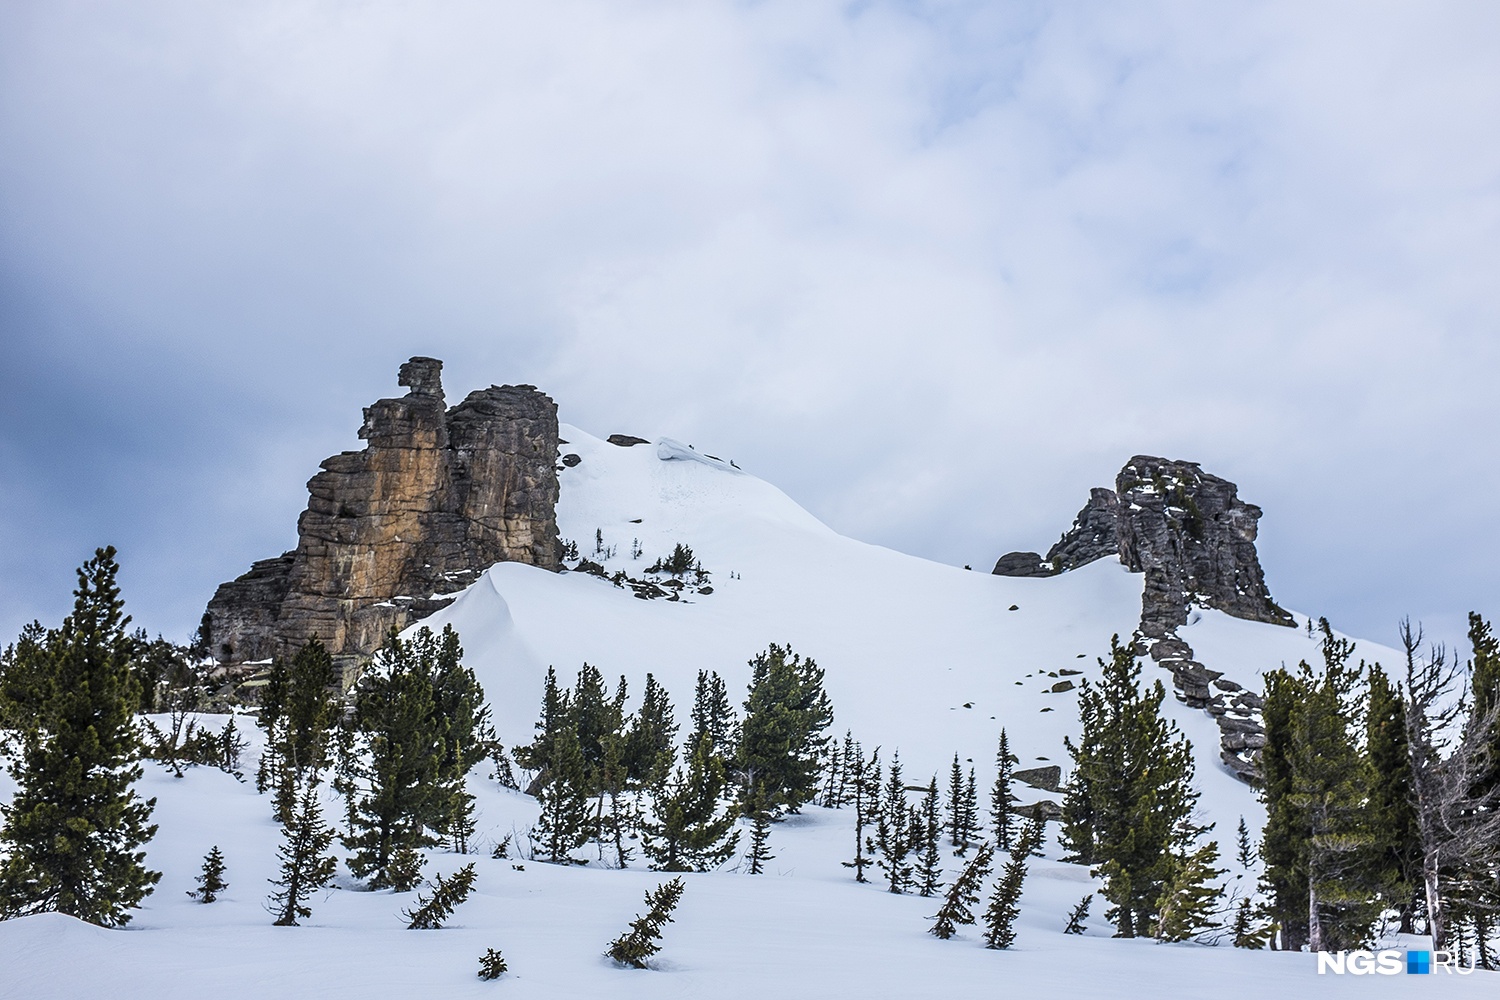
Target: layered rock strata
(1193, 538)
(391, 532)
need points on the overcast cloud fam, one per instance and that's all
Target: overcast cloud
(933, 268)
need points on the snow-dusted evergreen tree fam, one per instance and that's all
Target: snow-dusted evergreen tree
(635, 947)
(1005, 900)
(929, 873)
(1078, 917)
(782, 735)
(444, 895)
(958, 904)
(690, 832)
(211, 879)
(306, 863)
(73, 832)
(1002, 809)
(893, 833)
(1189, 900)
(864, 792)
(492, 965)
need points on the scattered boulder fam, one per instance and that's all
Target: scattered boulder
(626, 440)
(1048, 779)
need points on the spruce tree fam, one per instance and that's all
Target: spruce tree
(1078, 917)
(1244, 853)
(443, 897)
(760, 835)
(782, 736)
(211, 879)
(712, 714)
(1189, 900)
(1005, 900)
(1283, 846)
(491, 965)
(299, 736)
(636, 946)
(956, 805)
(563, 824)
(73, 832)
(306, 863)
(893, 833)
(968, 831)
(957, 908)
(1002, 809)
(690, 834)
(1392, 817)
(864, 785)
(929, 872)
(461, 723)
(652, 736)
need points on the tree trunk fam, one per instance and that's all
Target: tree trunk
(1435, 914)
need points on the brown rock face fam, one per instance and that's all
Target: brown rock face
(435, 498)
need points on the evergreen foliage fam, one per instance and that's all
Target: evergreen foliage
(782, 736)
(929, 874)
(893, 833)
(306, 863)
(1002, 809)
(636, 946)
(491, 965)
(652, 736)
(1283, 847)
(563, 795)
(1244, 931)
(712, 715)
(1390, 810)
(73, 832)
(957, 908)
(211, 879)
(864, 790)
(956, 821)
(1078, 917)
(760, 836)
(690, 834)
(1188, 900)
(1005, 900)
(443, 897)
(1129, 804)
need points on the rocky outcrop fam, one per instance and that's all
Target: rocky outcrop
(1193, 538)
(390, 532)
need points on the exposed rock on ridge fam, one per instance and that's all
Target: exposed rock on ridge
(1194, 539)
(436, 496)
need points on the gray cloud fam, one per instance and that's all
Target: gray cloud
(933, 268)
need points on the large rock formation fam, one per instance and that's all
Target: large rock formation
(392, 531)
(1194, 539)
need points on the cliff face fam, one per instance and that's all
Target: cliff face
(1194, 539)
(435, 497)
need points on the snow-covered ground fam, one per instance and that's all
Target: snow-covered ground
(920, 657)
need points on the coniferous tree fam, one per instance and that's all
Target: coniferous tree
(893, 833)
(306, 863)
(1283, 842)
(73, 831)
(653, 734)
(956, 806)
(690, 834)
(272, 701)
(211, 879)
(400, 770)
(1244, 853)
(929, 872)
(636, 946)
(491, 965)
(437, 905)
(957, 908)
(1078, 917)
(1244, 931)
(1189, 900)
(1002, 809)
(782, 735)
(968, 831)
(712, 714)
(864, 784)
(1131, 795)
(564, 822)
(1005, 900)
(555, 718)
(461, 724)
(1391, 817)
(760, 834)
(299, 736)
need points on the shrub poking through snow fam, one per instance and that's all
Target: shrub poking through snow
(491, 965)
(211, 879)
(445, 896)
(639, 943)
(1078, 919)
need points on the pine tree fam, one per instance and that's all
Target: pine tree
(563, 795)
(73, 831)
(893, 834)
(1283, 842)
(782, 736)
(712, 714)
(649, 746)
(689, 833)
(1005, 900)
(306, 863)
(461, 723)
(957, 908)
(1391, 816)
(443, 897)
(401, 768)
(1244, 931)
(299, 735)
(211, 879)
(272, 701)
(956, 805)
(1131, 794)
(1078, 917)
(968, 830)
(930, 859)
(1002, 809)
(864, 784)
(1244, 853)
(1188, 900)
(491, 965)
(636, 946)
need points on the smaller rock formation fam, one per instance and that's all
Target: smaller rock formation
(625, 440)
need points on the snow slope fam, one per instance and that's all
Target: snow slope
(919, 657)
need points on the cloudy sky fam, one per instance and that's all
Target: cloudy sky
(934, 268)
